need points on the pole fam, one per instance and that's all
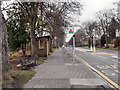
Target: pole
(94, 42)
(91, 45)
(65, 33)
(73, 45)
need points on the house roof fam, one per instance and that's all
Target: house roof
(86, 39)
(44, 37)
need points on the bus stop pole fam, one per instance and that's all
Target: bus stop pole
(73, 45)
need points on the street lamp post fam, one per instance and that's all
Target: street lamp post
(91, 49)
(94, 44)
(94, 49)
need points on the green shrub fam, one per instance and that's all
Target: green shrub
(117, 39)
(85, 45)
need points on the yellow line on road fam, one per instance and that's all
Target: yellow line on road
(117, 71)
(101, 74)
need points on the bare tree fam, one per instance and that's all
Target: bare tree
(56, 15)
(30, 10)
(90, 28)
(114, 25)
(105, 17)
(80, 36)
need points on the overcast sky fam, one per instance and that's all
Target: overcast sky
(93, 6)
(90, 8)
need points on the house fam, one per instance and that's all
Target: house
(88, 41)
(44, 45)
(85, 41)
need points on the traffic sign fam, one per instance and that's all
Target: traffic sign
(71, 31)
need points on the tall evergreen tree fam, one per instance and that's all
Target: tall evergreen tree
(17, 26)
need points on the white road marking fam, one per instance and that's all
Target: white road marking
(113, 74)
(117, 71)
(115, 56)
(102, 71)
(102, 57)
(76, 64)
(68, 64)
(115, 61)
(79, 49)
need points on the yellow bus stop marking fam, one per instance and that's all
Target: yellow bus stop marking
(117, 71)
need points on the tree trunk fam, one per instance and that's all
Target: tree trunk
(50, 45)
(23, 50)
(7, 81)
(32, 21)
(25, 46)
(106, 39)
(0, 46)
(100, 43)
(41, 4)
(33, 43)
(89, 43)
(53, 43)
(92, 41)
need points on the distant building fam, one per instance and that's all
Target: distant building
(85, 41)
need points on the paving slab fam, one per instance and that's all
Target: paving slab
(59, 71)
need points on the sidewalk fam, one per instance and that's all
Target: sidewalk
(60, 72)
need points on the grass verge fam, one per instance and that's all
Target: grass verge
(22, 76)
(41, 60)
(52, 51)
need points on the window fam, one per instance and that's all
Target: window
(41, 44)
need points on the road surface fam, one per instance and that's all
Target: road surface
(105, 61)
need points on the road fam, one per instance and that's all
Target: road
(105, 61)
